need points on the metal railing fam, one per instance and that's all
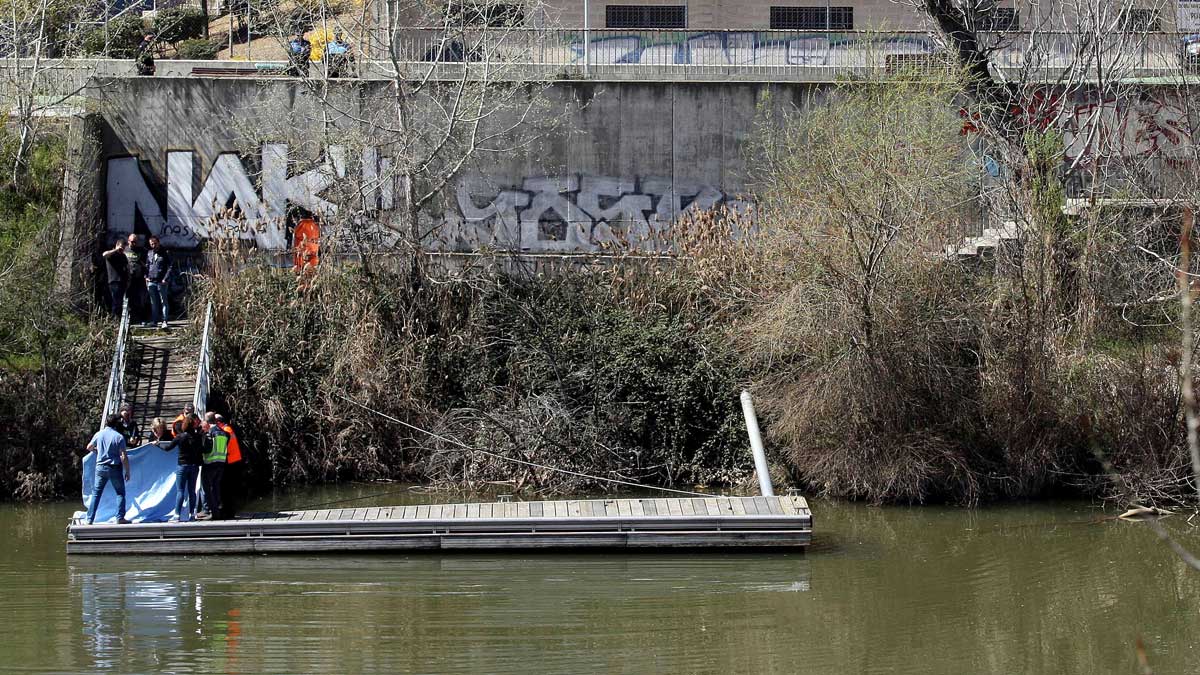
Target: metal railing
(606, 49)
(116, 376)
(200, 397)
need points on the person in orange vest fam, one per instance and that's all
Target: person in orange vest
(235, 451)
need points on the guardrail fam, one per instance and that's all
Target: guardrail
(772, 54)
(772, 49)
(200, 397)
(116, 375)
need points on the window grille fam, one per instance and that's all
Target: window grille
(1140, 20)
(812, 18)
(645, 16)
(999, 19)
(495, 15)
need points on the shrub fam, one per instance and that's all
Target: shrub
(558, 371)
(178, 24)
(198, 50)
(123, 36)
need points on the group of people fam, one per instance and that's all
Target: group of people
(336, 55)
(206, 447)
(140, 275)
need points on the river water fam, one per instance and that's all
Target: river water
(1043, 588)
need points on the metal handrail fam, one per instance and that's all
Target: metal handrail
(200, 397)
(116, 376)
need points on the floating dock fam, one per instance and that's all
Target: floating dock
(735, 522)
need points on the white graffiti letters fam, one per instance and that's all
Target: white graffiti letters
(228, 191)
(575, 213)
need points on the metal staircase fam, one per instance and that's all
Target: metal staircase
(157, 371)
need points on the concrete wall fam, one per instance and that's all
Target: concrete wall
(625, 161)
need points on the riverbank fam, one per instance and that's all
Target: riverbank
(1003, 589)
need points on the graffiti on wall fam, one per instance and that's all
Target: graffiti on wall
(541, 214)
(1120, 128)
(1105, 129)
(228, 198)
(748, 48)
(579, 212)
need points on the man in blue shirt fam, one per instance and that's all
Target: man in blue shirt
(112, 466)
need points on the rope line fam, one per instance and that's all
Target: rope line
(568, 472)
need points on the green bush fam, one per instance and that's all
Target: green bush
(123, 37)
(180, 24)
(197, 50)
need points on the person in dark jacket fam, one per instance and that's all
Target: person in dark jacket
(158, 276)
(116, 265)
(190, 442)
(145, 56)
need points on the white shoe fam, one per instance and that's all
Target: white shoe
(163, 325)
(173, 519)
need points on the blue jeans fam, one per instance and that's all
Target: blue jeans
(158, 301)
(185, 488)
(106, 474)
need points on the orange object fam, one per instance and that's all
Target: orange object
(233, 449)
(306, 244)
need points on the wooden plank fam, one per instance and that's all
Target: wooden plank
(574, 510)
(536, 509)
(650, 506)
(460, 511)
(422, 512)
(624, 508)
(674, 508)
(373, 514)
(749, 505)
(472, 510)
(635, 508)
(711, 506)
(611, 508)
(739, 509)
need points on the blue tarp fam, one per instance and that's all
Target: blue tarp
(149, 492)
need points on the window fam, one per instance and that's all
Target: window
(645, 16)
(812, 18)
(494, 15)
(1140, 20)
(999, 19)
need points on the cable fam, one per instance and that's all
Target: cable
(577, 474)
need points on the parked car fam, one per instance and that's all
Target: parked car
(1189, 52)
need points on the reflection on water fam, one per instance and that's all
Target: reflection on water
(1040, 589)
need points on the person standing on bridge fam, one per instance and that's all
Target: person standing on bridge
(136, 291)
(299, 54)
(112, 466)
(158, 279)
(117, 267)
(144, 60)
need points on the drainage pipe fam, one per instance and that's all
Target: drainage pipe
(756, 446)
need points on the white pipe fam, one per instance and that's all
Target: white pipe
(756, 446)
(587, 38)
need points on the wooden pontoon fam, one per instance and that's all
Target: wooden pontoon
(594, 523)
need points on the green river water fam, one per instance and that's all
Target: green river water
(1043, 588)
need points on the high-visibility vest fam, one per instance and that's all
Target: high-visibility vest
(235, 450)
(218, 448)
